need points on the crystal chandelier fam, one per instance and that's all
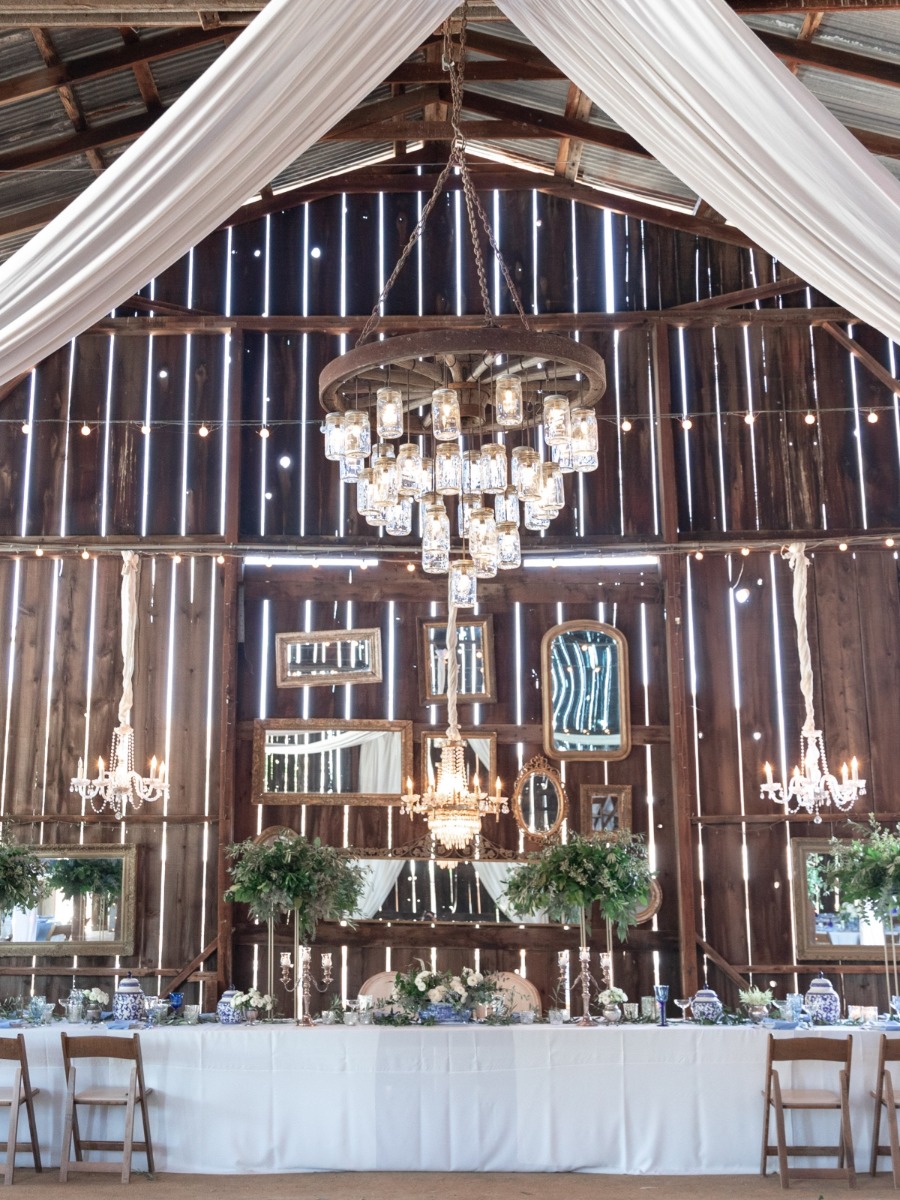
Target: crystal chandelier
(811, 786)
(489, 422)
(118, 784)
(452, 806)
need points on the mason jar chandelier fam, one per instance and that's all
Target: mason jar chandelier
(464, 436)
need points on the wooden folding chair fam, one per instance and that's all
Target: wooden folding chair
(12, 1049)
(884, 1098)
(808, 1049)
(128, 1096)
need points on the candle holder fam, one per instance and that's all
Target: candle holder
(584, 978)
(303, 981)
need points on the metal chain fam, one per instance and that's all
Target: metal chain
(455, 67)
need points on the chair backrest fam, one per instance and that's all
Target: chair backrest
(811, 1049)
(890, 1048)
(102, 1046)
(380, 985)
(12, 1049)
(523, 996)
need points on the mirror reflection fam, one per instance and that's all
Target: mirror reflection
(88, 907)
(584, 682)
(828, 928)
(605, 808)
(480, 756)
(539, 799)
(474, 659)
(325, 658)
(328, 762)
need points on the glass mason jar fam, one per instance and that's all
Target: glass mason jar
(536, 517)
(334, 436)
(389, 412)
(564, 457)
(506, 507)
(553, 494)
(357, 433)
(352, 466)
(448, 469)
(463, 583)
(527, 473)
(508, 400)
(468, 504)
(585, 460)
(472, 471)
(445, 423)
(364, 491)
(493, 468)
(409, 465)
(584, 431)
(557, 424)
(483, 543)
(385, 476)
(398, 518)
(509, 547)
(436, 530)
(426, 479)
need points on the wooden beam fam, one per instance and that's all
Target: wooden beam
(186, 972)
(725, 967)
(67, 97)
(383, 110)
(826, 58)
(568, 156)
(805, 6)
(43, 153)
(548, 124)
(781, 287)
(523, 53)
(484, 71)
(872, 365)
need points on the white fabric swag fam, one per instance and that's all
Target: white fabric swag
(688, 80)
(380, 757)
(381, 875)
(493, 877)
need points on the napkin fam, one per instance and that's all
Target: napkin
(118, 1025)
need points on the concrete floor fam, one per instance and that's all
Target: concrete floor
(392, 1186)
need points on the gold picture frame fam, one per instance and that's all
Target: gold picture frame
(598, 803)
(484, 625)
(474, 761)
(323, 674)
(539, 766)
(831, 937)
(593, 630)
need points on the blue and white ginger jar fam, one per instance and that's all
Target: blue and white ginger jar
(706, 1005)
(129, 1001)
(822, 1001)
(227, 1014)
(445, 1014)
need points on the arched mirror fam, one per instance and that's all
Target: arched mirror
(539, 799)
(584, 685)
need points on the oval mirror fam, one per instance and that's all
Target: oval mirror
(584, 685)
(539, 799)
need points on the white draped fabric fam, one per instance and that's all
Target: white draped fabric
(381, 875)
(688, 80)
(493, 877)
(380, 757)
(289, 77)
(699, 90)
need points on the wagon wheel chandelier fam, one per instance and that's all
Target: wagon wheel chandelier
(489, 420)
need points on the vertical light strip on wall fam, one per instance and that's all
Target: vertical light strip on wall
(496, 222)
(213, 686)
(685, 408)
(895, 399)
(186, 402)
(857, 429)
(10, 678)
(342, 343)
(304, 369)
(535, 274)
(170, 690)
(457, 217)
(692, 689)
(264, 405)
(720, 440)
(782, 740)
(107, 428)
(63, 510)
(51, 667)
(750, 412)
(228, 365)
(145, 440)
(736, 694)
(26, 475)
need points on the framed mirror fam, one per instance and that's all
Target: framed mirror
(826, 928)
(409, 884)
(326, 761)
(480, 755)
(539, 799)
(584, 687)
(88, 909)
(475, 656)
(604, 808)
(328, 657)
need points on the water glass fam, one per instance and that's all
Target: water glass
(365, 1003)
(648, 1006)
(192, 1014)
(854, 1012)
(631, 1010)
(36, 1009)
(47, 1014)
(157, 1010)
(795, 1000)
(351, 1017)
(367, 1016)
(556, 1016)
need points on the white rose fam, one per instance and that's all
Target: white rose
(456, 984)
(437, 994)
(420, 984)
(475, 978)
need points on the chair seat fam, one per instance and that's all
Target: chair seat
(6, 1095)
(103, 1094)
(810, 1098)
(884, 1099)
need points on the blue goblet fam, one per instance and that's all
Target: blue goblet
(176, 1000)
(661, 992)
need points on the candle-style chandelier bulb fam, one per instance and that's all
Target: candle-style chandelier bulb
(389, 413)
(508, 400)
(445, 421)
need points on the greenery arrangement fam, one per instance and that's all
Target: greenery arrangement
(753, 996)
(565, 879)
(416, 989)
(290, 873)
(86, 877)
(22, 880)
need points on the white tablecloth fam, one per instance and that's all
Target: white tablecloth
(683, 1100)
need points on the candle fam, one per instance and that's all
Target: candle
(844, 773)
(285, 959)
(408, 786)
(81, 768)
(498, 787)
(854, 768)
(326, 962)
(153, 767)
(100, 765)
(768, 770)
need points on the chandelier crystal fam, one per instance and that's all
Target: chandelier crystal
(811, 786)
(118, 784)
(453, 805)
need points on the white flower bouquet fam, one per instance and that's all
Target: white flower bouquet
(612, 995)
(415, 989)
(96, 996)
(253, 999)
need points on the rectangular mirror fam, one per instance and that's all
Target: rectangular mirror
(826, 928)
(330, 761)
(604, 808)
(480, 756)
(584, 687)
(88, 909)
(475, 656)
(328, 657)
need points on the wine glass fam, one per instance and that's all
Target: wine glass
(661, 992)
(684, 1004)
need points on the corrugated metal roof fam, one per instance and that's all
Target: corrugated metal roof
(78, 42)
(18, 53)
(112, 97)
(787, 24)
(874, 33)
(32, 121)
(856, 102)
(174, 74)
(546, 94)
(331, 158)
(643, 177)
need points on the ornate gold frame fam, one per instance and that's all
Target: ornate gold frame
(587, 791)
(373, 675)
(124, 946)
(539, 766)
(388, 800)
(547, 694)
(426, 696)
(476, 731)
(809, 950)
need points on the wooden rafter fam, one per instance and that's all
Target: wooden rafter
(780, 287)
(52, 151)
(568, 156)
(814, 54)
(872, 365)
(67, 97)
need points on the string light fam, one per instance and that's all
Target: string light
(626, 426)
(145, 429)
(889, 542)
(749, 418)
(176, 559)
(26, 428)
(220, 559)
(686, 423)
(411, 567)
(39, 552)
(842, 546)
(745, 551)
(699, 556)
(810, 418)
(85, 430)
(203, 431)
(85, 555)
(872, 417)
(264, 432)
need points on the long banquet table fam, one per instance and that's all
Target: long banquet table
(275, 1098)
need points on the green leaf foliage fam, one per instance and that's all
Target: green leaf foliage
(866, 870)
(22, 880)
(322, 883)
(86, 877)
(565, 878)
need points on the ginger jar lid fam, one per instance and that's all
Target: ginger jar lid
(821, 986)
(129, 986)
(706, 993)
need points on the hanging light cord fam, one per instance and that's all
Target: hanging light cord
(131, 571)
(799, 564)
(455, 66)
